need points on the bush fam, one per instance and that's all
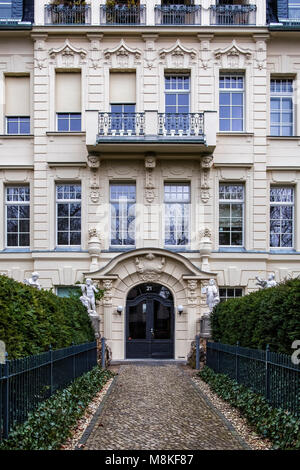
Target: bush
(269, 316)
(281, 427)
(31, 320)
(48, 427)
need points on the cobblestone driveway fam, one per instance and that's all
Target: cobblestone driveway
(158, 407)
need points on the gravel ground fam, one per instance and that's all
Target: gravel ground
(253, 440)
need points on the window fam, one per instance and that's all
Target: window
(5, 9)
(123, 117)
(231, 101)
(177, 101)
(17, 104)
(230, 293)
(67, 291)
(281, 217)
(68, 202)
(294, 9)
(282, 107)
(122, 203)
(70, 122)
(177, 213)
(68, 101)
(122, 96)
(17, 216)
(231, 214)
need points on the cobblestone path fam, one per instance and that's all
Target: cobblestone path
(158, 407)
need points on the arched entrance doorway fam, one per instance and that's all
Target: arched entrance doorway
(149, 322)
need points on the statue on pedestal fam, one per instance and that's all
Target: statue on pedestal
(265, 283)
(33, 281)
(212, 295)
(88, 295)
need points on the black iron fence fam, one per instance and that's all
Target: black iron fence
(67, 15)
(26, 382)
(123, 15)
(234, 15)
(177, 15)
(270, 374)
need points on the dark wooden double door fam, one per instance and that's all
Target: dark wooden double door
(150, 323)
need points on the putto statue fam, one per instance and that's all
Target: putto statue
(33, 281)
(212, 295)
(88, 295)
(264, 283)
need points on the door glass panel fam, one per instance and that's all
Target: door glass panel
(161, 321)
(137, 321)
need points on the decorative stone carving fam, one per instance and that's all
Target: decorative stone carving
(68, 55)
(33, 281)
(192, 285)
(205, 247)
(212, 295)
(94, 164)
(95, 53)
(88, 296)
(177, 56)
(150, 267)
(261, 51)
(150, 164)
(94, 248)
(122, 56)
(205, 50)
(265, 283)
(40, 53)
(107, 297)
(233, 56)
(205, 164)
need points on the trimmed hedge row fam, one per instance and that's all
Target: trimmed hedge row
(49, 426)
(31, 320)
(269, 316)
(281, 427)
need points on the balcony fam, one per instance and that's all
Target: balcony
(151, 131)
(169, 15)
(67, 15)
(233, 15)
(123, 15)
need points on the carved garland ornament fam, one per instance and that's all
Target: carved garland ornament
(150, 267)
(205, 164)
(94, 165)
(150, 164)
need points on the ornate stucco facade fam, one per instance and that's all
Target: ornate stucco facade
(47, 157)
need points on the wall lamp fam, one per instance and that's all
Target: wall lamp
(119, 309)
(180, 309)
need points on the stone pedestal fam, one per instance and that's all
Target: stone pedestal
(205, 329)
(95, 319)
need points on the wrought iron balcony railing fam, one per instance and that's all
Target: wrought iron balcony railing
(67, 15)
(181, 124)
(121, 124)
(123, 15)
(177, 14)
(233, 15)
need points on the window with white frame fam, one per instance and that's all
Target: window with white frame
(231, 215)
(294, 9)
(68, 101)
(177, 101)
(282, 119)
(68, 214)
(122, 204)
(17, 216)
(5, 9)
(177, 213)
(281, 217)
(230, 293)
(17, 104)
(231, 102)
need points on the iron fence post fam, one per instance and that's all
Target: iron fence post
(73, 360)
(267, 371)
(197, 352)
(237, 361)
(6, 399)
(103, 352)
(218, 359)
(51, 369)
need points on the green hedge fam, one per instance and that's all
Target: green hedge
(48, 427)
(31, 320)
(281, 427)
(269, 316)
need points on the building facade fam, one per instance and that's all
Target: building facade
(150, 146)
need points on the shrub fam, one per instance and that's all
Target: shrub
(48, 427)
(281, 427)
(269, 316)
(31, 320)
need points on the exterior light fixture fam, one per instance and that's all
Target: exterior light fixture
(180, 309)
(119, 309)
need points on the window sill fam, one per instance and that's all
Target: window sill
(282, 137)
(16, 136)
(231, 249)
(241, 134)
(70, 133)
